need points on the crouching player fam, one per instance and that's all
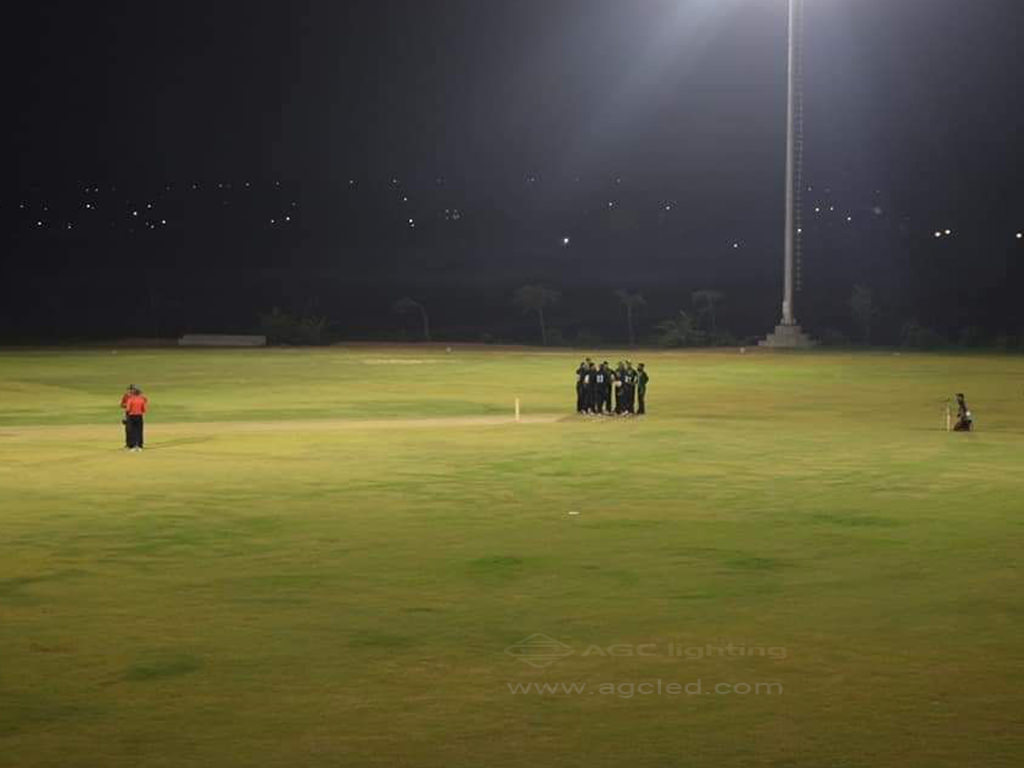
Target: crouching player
(964, 420)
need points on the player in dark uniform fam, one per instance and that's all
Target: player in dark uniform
(964, 420)
(593, 389)
(629, 385)
(620, 383)
(606, 404)
(581, 373)
(596, 385)
(586, 386)
(641, 388)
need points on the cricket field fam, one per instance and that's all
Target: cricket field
(355, 556)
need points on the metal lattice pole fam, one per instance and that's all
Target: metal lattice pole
(798, 141)
(794, 159)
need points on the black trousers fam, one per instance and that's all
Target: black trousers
(607, 396)
(640, 394)
(127, 432)
(134, 428)
(579, 397)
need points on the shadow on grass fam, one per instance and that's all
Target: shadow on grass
(496, 567)
(175, 443)
(168, 666)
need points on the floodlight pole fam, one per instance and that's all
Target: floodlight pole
(787, 295)
(788, 333)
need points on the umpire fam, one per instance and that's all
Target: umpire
(135, 411)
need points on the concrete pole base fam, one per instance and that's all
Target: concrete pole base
(788, 337)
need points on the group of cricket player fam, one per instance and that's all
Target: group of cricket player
(601, 389)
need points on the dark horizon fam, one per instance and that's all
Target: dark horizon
(188, 170)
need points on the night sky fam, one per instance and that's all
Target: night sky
(187, 166)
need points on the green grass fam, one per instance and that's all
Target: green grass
(295, 574)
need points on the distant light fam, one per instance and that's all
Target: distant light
(287, 218)
(849, 218)
(817, 209)
(735, 245)
(565, 241)
(949, 232)
(938, 234)
(405, 199)
(163, 222)
(611, 203)
(1020, 235)
(799, 230)
(668, 206)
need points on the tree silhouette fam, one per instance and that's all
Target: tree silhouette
(704, 302)
(534, 299)
(405, 306)
(632, 302)
(679, 331)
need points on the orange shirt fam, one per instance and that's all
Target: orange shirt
(135, 405)
(124, 399)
